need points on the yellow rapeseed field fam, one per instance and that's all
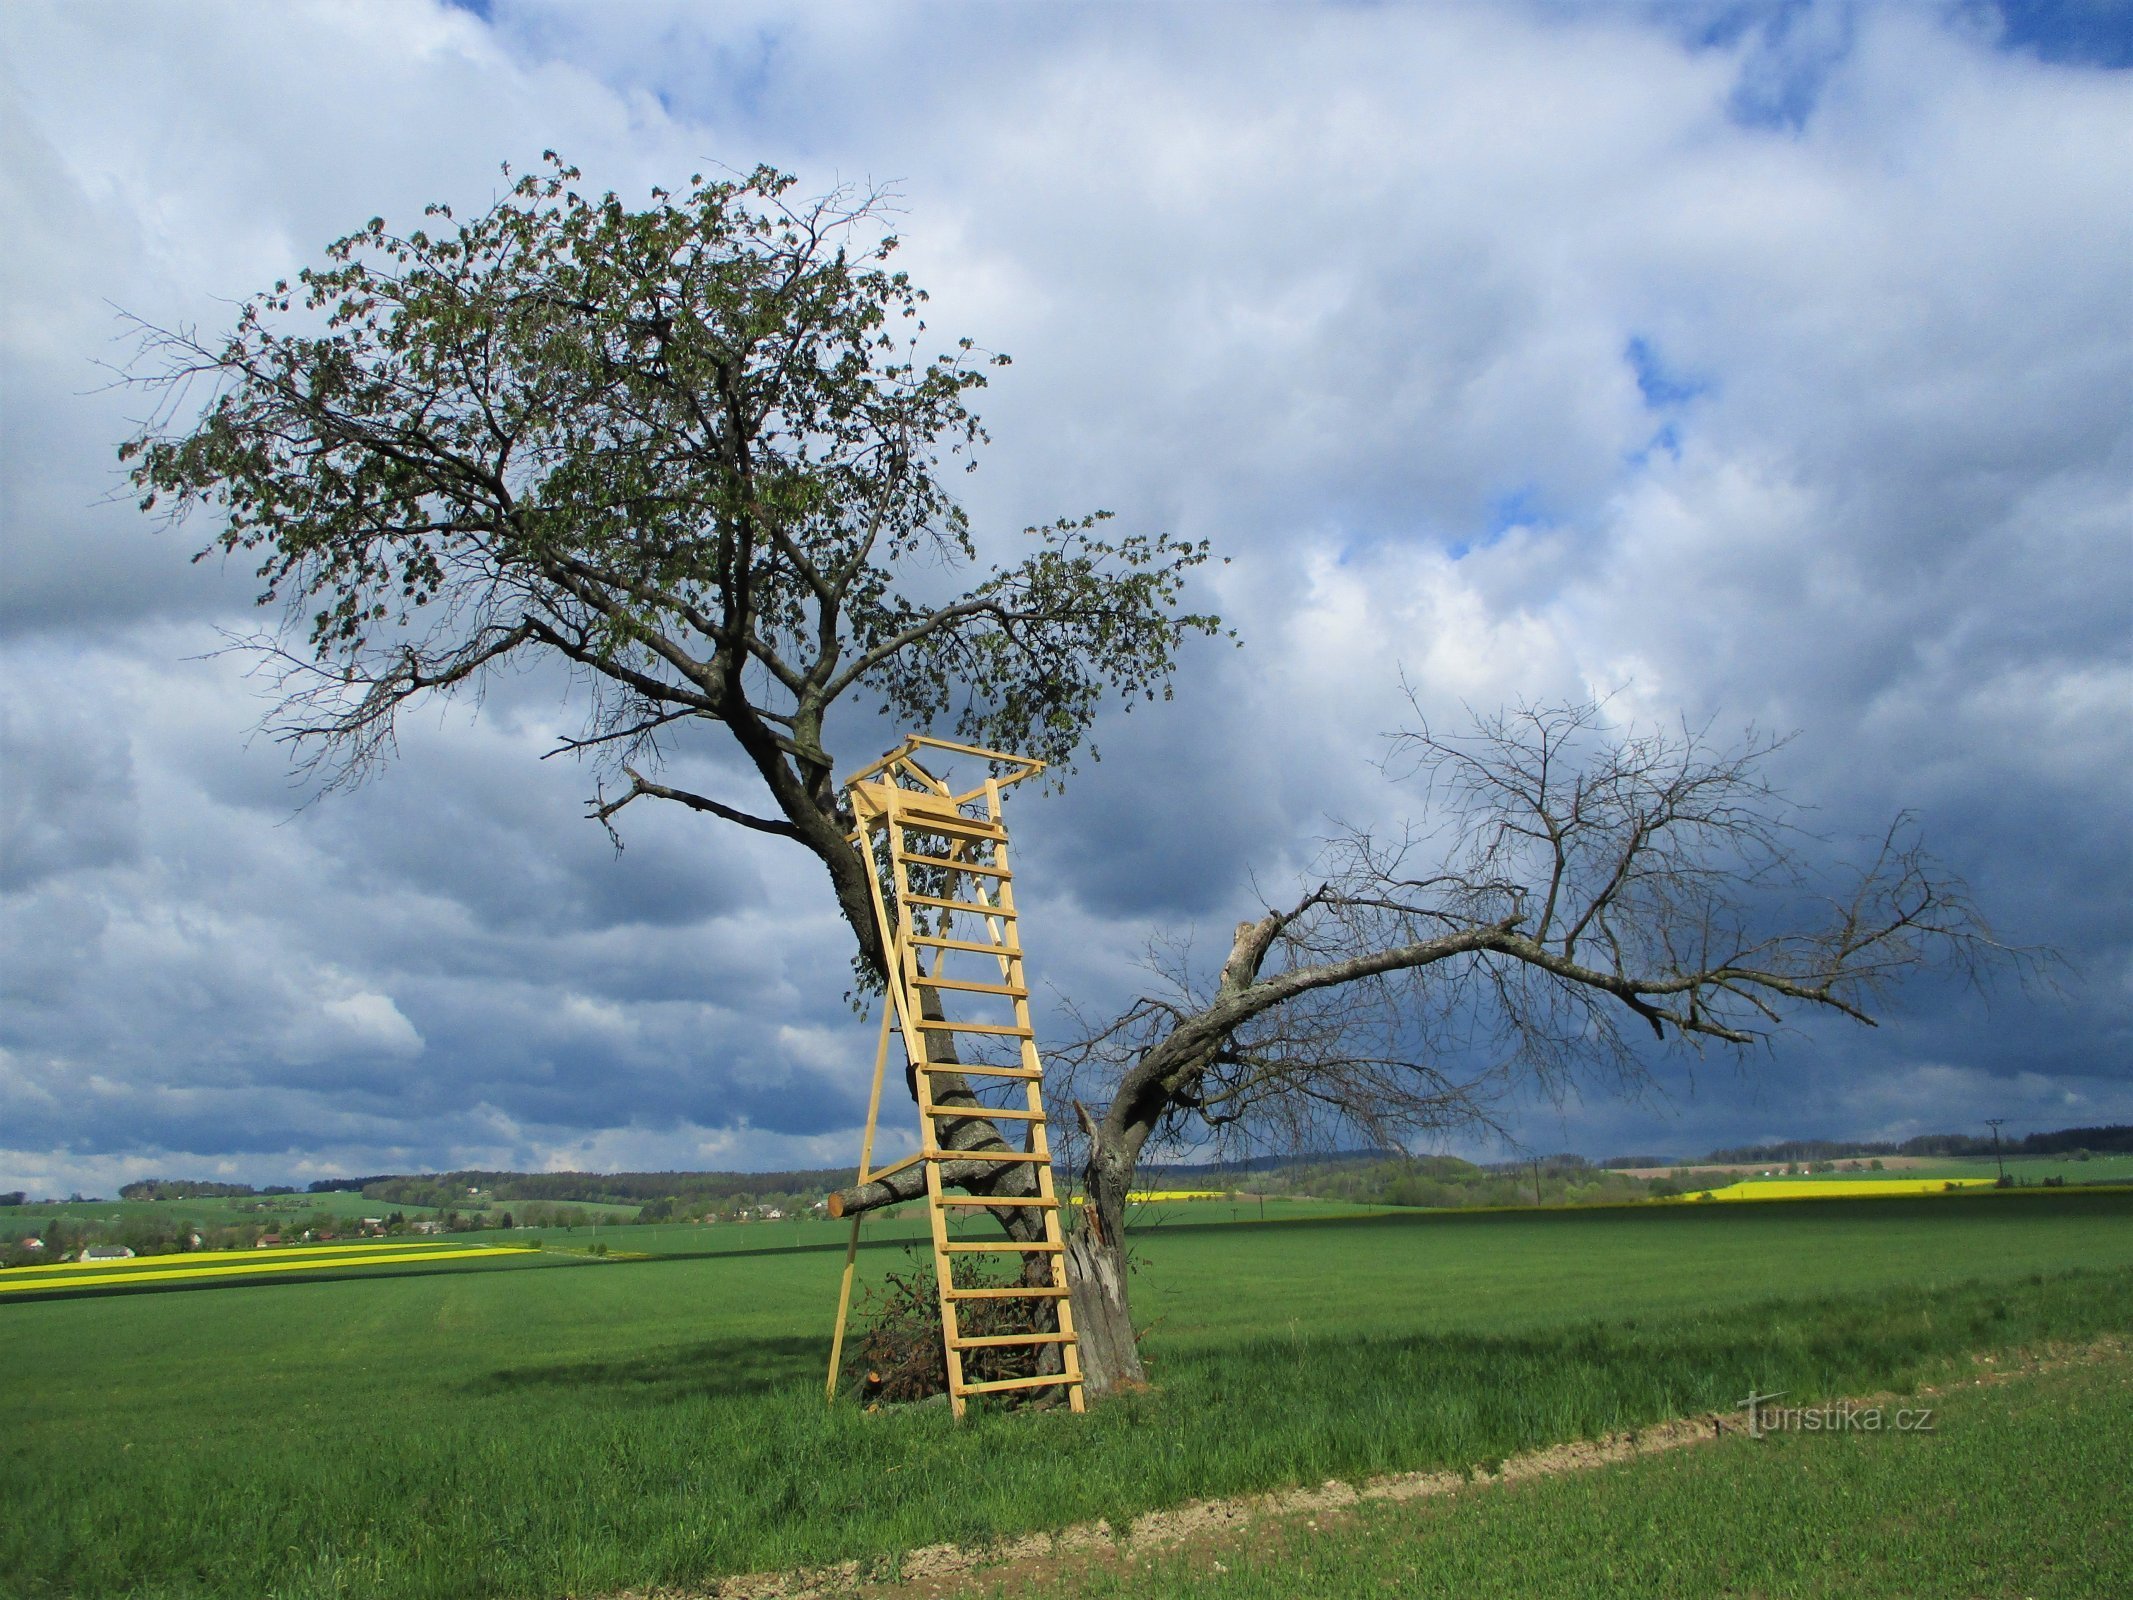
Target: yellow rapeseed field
(268, 1253)
(213, 1265)
(1834, 1188)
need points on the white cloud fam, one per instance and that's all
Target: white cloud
(360, 1025)
(1351, 291)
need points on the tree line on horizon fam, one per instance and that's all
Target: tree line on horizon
(668, 1195)
(2114, 1139)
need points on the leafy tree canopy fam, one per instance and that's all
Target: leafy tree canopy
(697, 450)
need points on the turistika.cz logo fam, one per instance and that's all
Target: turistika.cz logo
(1831, 1416)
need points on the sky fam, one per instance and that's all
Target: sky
(1762, 365)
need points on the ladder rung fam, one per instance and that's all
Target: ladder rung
(1004, 1029)
(1000, 1340)
(976, 1069)
(974, 907)
(1039, 1382)
(985, 1155)
(915, 820)
(935, 942)
(972, 986)
(1014, 1292)
(987, 1248)
(995, 1200)
(983, 868)
(1001, 1112)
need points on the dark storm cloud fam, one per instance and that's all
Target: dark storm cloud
(1760, 363)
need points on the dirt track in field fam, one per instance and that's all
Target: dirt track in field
(938, 1572)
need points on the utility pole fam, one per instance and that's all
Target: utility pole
(1994, 1124)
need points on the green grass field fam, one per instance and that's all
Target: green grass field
(906, 1224)
(2039, 1465)
(537, 1433)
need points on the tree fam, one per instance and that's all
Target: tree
(694, 451)
(1577, 886)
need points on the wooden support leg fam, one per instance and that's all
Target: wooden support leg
(844, 1306)
(866, 1159)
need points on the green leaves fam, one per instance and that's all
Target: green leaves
(694, 448)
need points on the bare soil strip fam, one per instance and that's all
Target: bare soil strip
(941, 1570)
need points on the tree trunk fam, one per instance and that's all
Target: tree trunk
(1096, 1276)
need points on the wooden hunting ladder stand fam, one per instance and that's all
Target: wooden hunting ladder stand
(954, 848)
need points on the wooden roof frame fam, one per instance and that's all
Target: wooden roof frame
(902, 762)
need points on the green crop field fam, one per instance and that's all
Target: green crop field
(2039, 1465)
(633, 1422)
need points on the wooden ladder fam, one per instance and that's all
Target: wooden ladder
(962, 911)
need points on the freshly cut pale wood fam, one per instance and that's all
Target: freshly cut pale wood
(1041, 1381)
(978, 908)
(1000, 1247)
(975, 868)
(858, 780)
(912, 768)
(913, 804)
(1030, 764)
(1009, 1292)
(949, 826)
(999, 1341)
(942, 942)
(927, 828)
(1034, 1202)
(1009, 1156)
(972, 986)
(851, 1246)
(880, 803)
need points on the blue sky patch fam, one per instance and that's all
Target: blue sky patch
(1659, 386)
(2089, 33)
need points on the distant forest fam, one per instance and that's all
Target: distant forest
(662, 1193)
(1384, 1175)
(2116, 1139)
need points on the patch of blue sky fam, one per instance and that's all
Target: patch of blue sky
(2088, 33)
(1660, 386)
(746, 73)
(701, 73)
(1667, 442)
(1786, 68)
(1519, 507)
(1664, 390)
(1791, 47)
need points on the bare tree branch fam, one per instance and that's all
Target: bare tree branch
(1571, 877)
